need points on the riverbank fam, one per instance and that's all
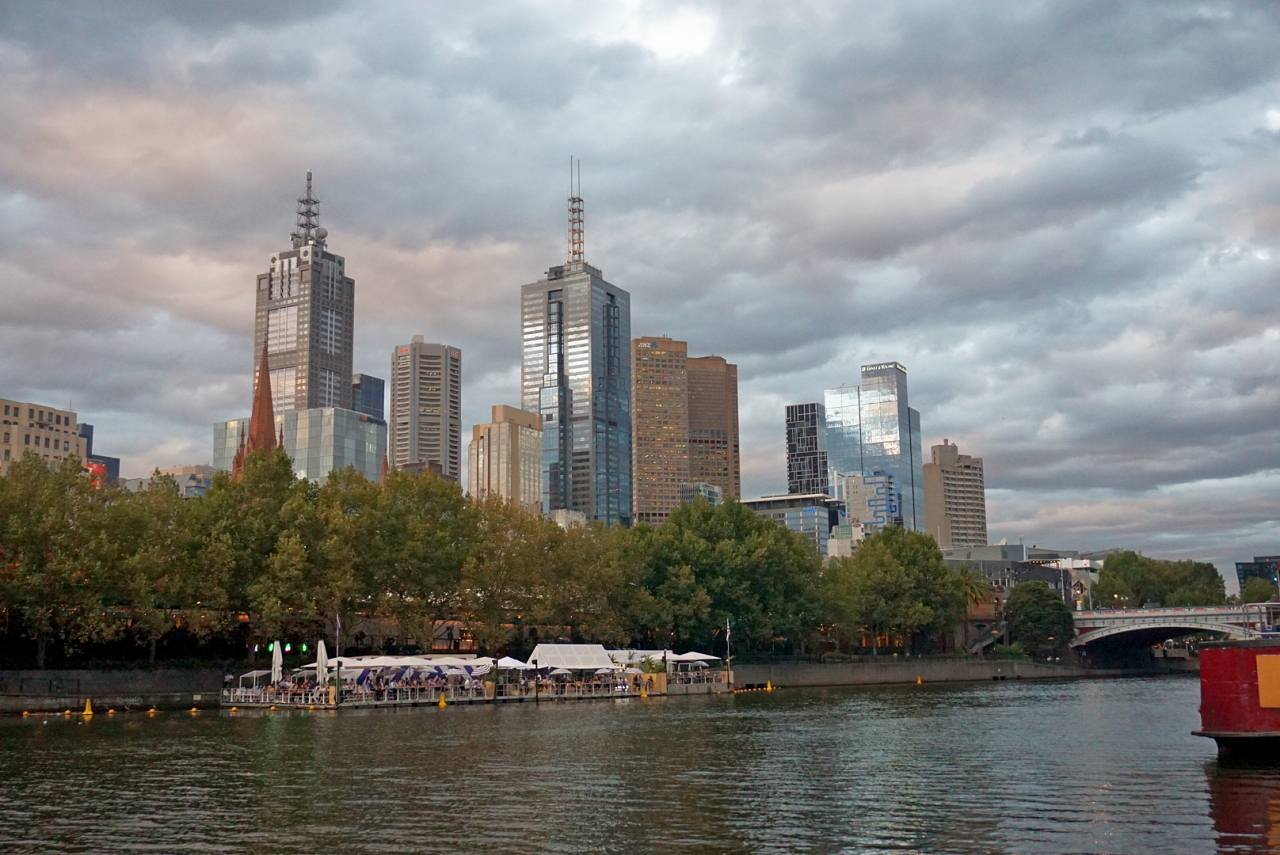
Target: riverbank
(889, 671)
(162, 688)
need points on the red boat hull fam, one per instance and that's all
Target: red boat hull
(1240, 697)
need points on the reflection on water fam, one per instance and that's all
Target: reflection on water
(1244, 802)
(1090, 766)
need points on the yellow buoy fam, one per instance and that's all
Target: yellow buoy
(111, 711)
(25, 713)
(151, 711)
(66, 712)
(88, 707)
(919, 681)
(235, 709)
(768, 685)
(312, 707)
(194, 710)
(644, 693)
(442, 704)
(272, 707)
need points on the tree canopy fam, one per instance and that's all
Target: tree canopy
(1130, 580)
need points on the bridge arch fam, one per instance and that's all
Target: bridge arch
(1174, 626)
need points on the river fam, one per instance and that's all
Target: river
(1070, 766)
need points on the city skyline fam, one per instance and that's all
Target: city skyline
(1053, 263)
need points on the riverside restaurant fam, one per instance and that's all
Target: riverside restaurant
(553, 672)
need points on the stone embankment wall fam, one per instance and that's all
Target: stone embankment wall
(889, 671)
(55, 691)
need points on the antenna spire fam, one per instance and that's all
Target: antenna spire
(575, 214)
(309, 230)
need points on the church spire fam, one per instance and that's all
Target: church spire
(262, 423)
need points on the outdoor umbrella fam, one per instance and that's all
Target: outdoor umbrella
(604, 670)
(277, 663)
(508, 662)
(322, 664)
(561, 671)
(633, 671)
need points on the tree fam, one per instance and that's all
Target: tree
(1258, 590)
(1038, 619)
(1128, 580)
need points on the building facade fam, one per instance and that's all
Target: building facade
(807, 464)
(870, 500)
(659, 426)
(368, 395)
(305, 319)
(714, 448)
(426, 407)
(871, 428)
(1261, 567)
(576, 374)
(106, 468)
(51, 434)
(813, 515)
(955, 499)
(318, 441)
(505, 458)
(692, 491)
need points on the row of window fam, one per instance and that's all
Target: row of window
(55, 418)
(58, 445)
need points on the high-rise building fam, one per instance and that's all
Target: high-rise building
(49, 433)
(305, 318)
(1261, 567)
(368, 394)
(318, 441)
(714, 451)
(807, 450)
(691, 491)
(103, 467)
(660, 426)
(505, 457)
(955, 499)
(575, 373)
(426, 407)
(871, 427)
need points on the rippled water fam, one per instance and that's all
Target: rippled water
(1086, 766)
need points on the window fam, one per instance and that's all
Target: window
(41, 416)
(330, 331)
(6, 439)
(26, 439)
(330, 395)
(284, 389)
(282, 330)
(31, 413)
(6, 454)
(6, 409)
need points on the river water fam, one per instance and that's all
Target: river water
(1079, 766)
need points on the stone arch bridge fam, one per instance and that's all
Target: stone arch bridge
(1150, 626)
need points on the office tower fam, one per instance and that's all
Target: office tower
(305, 318)
(807, 450)
(691, 491)
(426, 407)
(49, 433)
(871, 427)
(714, 454)
(575, 373)
(955, 500)
(505, 458)
(367, 395)
(318, 441)
(660, 426)
(1261, 567)
(814, 515)
(870, 500)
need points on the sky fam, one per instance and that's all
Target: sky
(1062, 218)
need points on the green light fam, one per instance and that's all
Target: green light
(288, 648)
(271, 648)
(304, 647)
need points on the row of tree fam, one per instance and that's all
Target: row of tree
(272, 556)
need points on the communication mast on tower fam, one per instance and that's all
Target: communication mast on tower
(309, 230)
(575, 214)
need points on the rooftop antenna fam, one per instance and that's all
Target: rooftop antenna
(575, 214)
(309, 230)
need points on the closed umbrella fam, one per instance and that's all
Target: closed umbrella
(322, 664)
(277, 663)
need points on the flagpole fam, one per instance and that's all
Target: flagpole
(728, 651)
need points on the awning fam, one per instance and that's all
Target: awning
(578, 657)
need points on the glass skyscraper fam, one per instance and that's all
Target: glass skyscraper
(871, 428)
(807, 458)
(576, 373)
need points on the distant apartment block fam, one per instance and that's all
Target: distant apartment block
(955, 500)
(1261, 567)
(192, 481)
(873, 500)
(814, 515)
(659, 426)
(505, 458)
(425, 426)
(49, 433)
(714, 449)
(691, 491)
(318, 441)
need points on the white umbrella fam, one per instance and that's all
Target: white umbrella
(633, 671)
(604, 670)
(322, 663)
(561, 671)
(277, 663)
(509, 662)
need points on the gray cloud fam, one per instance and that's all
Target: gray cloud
(1063, 218)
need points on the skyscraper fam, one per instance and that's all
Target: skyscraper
(714, 451)
(660, 426)
(305, 318)
(955, 499)
(368, 395)
(807, 450)
(505, 458)
(871, 428)
(426, 407)
(575, 373)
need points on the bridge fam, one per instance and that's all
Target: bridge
(1151, 626)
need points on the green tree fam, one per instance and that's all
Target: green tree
(1128, 579)
(1038, 619)
(1258, 590)
(51, 575)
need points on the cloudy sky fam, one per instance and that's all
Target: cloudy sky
(1063, 218)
